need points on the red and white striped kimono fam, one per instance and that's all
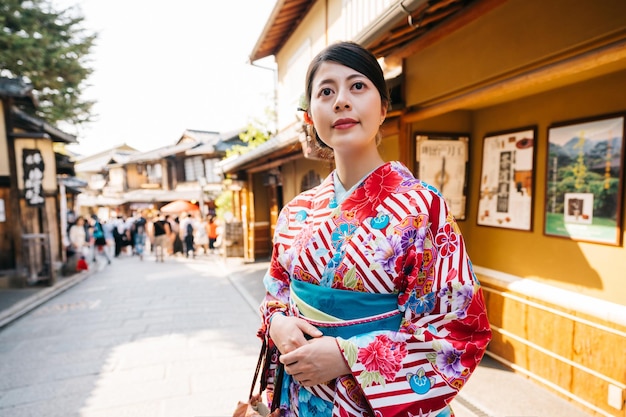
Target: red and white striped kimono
(395, 235)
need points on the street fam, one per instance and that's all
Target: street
(173, 339)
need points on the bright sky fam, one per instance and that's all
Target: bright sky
(161, 67)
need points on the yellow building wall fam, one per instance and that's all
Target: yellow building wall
(519, 34)
(563, 322)
(557, 306)
(293, 60)
(592, 269)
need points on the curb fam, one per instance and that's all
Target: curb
(30, 303)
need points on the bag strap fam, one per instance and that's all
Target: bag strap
(262, 367)
(278, 387)
(262, 362)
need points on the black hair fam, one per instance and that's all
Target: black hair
(351, 55)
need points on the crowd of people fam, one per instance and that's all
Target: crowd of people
(92, 239)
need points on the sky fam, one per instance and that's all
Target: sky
(162, 67)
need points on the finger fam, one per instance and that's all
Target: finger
(288, 359)
(309, 329)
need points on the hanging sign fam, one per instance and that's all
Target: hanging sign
(33, 167)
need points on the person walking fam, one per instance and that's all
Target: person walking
(139, 234)
(161, 231)
(372, 305)
(187, 230)
(98, 240)
(212, 232)
(201, 238)
(79, 245)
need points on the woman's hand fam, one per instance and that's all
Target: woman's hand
(288, 333)
(319, 360)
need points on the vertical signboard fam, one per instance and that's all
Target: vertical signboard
(33, 168)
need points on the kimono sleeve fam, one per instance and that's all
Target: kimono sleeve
(419, 369)
(276, 282)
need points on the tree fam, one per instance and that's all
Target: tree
(48, 49)
(253, 136)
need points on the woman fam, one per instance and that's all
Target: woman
(211, 230)
(371, 298)
(79, 244)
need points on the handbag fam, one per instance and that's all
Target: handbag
(255, 407)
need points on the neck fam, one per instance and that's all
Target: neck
(351, 168)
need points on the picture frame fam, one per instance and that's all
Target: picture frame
(585, 180)
(507, 185)
(442, 162)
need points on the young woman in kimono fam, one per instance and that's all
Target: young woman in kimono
(371, 298)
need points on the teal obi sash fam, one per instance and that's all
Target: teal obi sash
(343, 313)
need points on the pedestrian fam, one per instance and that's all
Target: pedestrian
(187, 230)
(78, 237)
(161, 231)
(108, 226)
(139, 236)
(212, 232)
(201, 238)
(371, 297)
(98, 241)
(79, 244)
(176, 243)
(119, 235)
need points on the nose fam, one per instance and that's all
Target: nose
(342, 101)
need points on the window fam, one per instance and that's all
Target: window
(209, 169)
(194, 168)
(154, 173)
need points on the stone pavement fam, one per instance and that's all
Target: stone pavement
(173, 339)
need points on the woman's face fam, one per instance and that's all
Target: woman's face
(345, 107)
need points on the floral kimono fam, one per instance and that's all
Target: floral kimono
(386, 272)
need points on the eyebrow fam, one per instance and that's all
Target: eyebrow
(332, 80)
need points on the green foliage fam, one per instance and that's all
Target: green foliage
(224, 204)
(50, 50)
(256, 133)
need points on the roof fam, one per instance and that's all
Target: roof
(220, 144)
(163, 152)
(400, 25)
(283, 20)
(285, 143)
(199, 135)
(98, 162)
(16, 88)
(34, 125)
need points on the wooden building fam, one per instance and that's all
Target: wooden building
(31, 243)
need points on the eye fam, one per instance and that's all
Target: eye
(325, 92)
(359, 85)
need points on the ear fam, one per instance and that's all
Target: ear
(307, 118)
(383, 112)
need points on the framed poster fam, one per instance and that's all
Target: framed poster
(507, 180)
(584, 180)
(442, 162)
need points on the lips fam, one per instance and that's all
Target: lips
(344, 123)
